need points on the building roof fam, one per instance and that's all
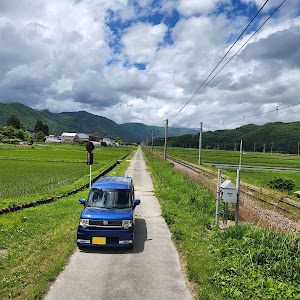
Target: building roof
(82, 136)
(69, 134)
(113, 182)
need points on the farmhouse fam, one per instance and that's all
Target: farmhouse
(110, 142)
(94, 138)
(52, 139)
(82, 137)
(68, 137)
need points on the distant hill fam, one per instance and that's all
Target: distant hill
(282, 137)
(83, 122)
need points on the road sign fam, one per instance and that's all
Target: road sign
(89, 147)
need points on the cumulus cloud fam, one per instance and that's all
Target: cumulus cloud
(141, 41)
(192, 7)
(141, 61)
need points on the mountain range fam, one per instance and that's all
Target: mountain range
(83, 121)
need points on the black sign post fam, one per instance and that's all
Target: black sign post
(90, 158)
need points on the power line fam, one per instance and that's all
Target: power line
(264, 113)
(205, 83)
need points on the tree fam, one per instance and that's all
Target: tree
(19, 133)
(14, 122)
(40, 136)
(29, 138)
(39, 126)
(45, 129)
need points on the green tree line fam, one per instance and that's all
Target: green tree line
(280, 137)
(14, 132)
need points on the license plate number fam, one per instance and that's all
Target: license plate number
(99, 240)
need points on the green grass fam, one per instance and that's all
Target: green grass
(257, 264)
(35, 244)
(238, 263)
(233, 157)
(258, 178)
(31, 173)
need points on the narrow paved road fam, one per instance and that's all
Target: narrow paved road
(150, 271)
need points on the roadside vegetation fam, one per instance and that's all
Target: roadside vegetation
(30, 173)
(259, 178)
(35, 243)
(241, 262)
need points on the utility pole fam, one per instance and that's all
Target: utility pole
(272, 148)
(147, 142)
(218, 197)
(166, 136)
(254, 147)
(298, 149)
(200, 144)
(237, 206)
(264, 145)
(152, 140)
(241, 150)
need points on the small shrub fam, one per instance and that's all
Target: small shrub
(281, 184)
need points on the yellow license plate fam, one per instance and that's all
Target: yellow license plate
(99, 240)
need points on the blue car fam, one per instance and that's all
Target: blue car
(108, 216)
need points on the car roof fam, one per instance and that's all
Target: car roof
(113, 182)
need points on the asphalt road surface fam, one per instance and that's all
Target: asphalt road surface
(151, 270)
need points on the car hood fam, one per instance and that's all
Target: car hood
(107, 214)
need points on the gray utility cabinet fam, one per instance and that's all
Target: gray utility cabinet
(228, 192)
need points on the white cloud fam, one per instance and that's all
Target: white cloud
(192, 7)
(63, 56)
(141, 41)
(201, 33)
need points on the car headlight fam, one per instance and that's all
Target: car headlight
(84, 223)
(127, 224)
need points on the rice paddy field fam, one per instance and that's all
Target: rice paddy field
(36, 242)
(30, 173)
(258, 178)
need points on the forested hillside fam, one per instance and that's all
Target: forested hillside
(281, 137)
(82, 122)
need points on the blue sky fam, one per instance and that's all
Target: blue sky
(141, 61)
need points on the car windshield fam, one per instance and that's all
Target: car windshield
(103, 198)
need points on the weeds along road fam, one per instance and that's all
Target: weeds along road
(151, 270)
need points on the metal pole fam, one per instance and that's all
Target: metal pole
(166, 135)
(90, 176)
(218, 197)
(152, 140)
(237, 207)
(200, 143)
(241, 150)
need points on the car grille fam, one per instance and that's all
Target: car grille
(107, 223)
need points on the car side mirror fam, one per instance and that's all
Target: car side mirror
(82, 201)
(137, 202)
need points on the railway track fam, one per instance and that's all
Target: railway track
(286, 205)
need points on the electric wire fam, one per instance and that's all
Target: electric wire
(264, 113)
(203, 85)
